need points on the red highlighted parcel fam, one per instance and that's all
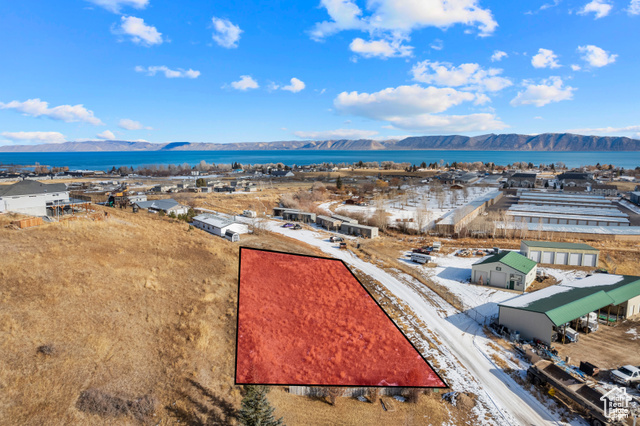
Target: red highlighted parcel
(308, 321)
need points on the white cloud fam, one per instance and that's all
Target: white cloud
(401, 101)
(337, 134)
(429, 123)
(116, 5)
(470, 76)
(129, 124)
(634, 7)
(169, 73)
(595, 56)
(402, 17)
(437, 44)
(107, 135)
(37, 137)
(498, 55)
(225, 33)
(139, 32)
(576, 67)
(66, 113)
(551, 90)
(295, 86)
(545, 59)
(600, 8)
(380, 48)
(246, 82)
(414, 108)
(607, 130)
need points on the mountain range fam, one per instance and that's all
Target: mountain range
(490, 142)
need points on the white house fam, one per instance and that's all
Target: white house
(220, 226)
(508, 269)
(32, 197)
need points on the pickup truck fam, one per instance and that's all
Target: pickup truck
(627, 375)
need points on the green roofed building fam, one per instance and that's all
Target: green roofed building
(536, 315)
(560, 253)
(508, 269)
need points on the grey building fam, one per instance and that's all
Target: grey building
(359, 230)
(32, 197)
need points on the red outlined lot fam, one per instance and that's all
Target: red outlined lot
(308, 321)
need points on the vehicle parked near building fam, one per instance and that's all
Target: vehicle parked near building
(336, 239)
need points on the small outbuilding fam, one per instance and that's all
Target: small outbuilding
(560, 253)
(509, 270)
(299, 216)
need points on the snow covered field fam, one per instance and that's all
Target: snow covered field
(463, 352)
(423, 197)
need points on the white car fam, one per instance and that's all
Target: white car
(627, 375)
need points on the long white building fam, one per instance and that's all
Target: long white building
(31, 197)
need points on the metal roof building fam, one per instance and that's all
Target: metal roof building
(508, 269)
(560, 253)
(220, 226)
(536, 315)
(575, 217)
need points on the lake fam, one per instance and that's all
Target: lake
(106, 160)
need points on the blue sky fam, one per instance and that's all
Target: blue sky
(204, 71)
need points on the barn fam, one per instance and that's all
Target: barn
(560, 253)
(536, 315)
(508, 269)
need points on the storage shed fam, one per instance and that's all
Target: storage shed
(359, 230)
(299, 216)
(535, 315)
(560, 253)
(329, 223)
(508, 269)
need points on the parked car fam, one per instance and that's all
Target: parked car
(343, 246)
(336, 239)
(423, 250)
(288, 225)
(627, 375)
(297, 226)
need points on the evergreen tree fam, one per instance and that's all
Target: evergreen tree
(339, 183)
(255, 409)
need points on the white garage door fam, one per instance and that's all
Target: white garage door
(575, 259)
(482, 277)
(589, 260)
(561, 258)
(499, 279)
(534, 255)
(547, 257)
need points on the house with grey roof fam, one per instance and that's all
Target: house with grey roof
(220, 226)
(32, 197)
(167, 206)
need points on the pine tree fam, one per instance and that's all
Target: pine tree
(255, 409)
(339, 183)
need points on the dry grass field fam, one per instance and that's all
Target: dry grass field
(127, 307)
(131, 320)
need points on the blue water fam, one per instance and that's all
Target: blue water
(106, 160)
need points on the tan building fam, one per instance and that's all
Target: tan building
(548, 252)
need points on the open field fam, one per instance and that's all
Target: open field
(130, 306)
